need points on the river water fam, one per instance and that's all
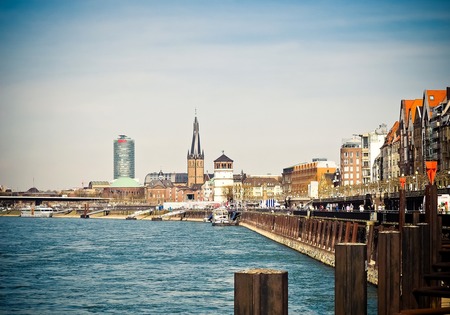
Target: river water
(78, 266)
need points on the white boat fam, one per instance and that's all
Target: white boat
(37, 212)
(221, 217)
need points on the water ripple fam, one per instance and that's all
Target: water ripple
(74, 266)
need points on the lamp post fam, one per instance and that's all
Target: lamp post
(417, 175)
(389, 184)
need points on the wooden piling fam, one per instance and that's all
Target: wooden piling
(369, 240)
(410, 265)
(350, 279)
(431, 216)
(402, 209)
(261, 292)
(348, 226)
(389, 272)
(424, 262)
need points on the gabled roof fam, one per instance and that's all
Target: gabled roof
(416, 103)
(165, 183)
(433, 98)
(392, 134)
(409, 110)
(407, 104)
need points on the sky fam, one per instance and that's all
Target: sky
(273, 83)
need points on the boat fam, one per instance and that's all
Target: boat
(37, 212)
(222, 217)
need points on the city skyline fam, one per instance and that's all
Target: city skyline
(273, 84)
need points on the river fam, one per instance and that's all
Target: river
(105, 266)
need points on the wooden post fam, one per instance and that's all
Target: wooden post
(432, 220)
(355, 232)
(401, 209)
(410, 265)
(347, 232)
(424, 262)
(261, 292)
(369, 242)
(388, 272)
(416, 217)
(350, 279)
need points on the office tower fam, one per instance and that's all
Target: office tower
(124, 157)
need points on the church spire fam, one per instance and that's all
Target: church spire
(196, 151)
(195, 158)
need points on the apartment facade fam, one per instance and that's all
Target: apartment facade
(304, 173)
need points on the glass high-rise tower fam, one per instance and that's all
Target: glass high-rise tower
(123, 157)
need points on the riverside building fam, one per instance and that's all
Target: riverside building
(124, 157)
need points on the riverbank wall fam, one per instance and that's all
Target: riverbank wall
(315, 237)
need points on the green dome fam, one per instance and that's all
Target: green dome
(125, 182)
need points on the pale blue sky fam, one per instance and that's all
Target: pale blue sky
(275, 83)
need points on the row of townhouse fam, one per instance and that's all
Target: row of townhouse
(373, 161)
(421, 134)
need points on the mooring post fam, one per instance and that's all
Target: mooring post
(424, 261)
(401, 209)
(261, 292)
(410, 265)
(388, 272)
(350, 279)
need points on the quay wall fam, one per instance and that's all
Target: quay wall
(315, 237)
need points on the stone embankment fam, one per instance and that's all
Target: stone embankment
(315, 237)
(312, 236)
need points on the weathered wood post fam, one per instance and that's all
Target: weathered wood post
(424, 261)
(410, 265)
(261, 292)
(402, 205)
(389, 272)
(431, 214)
(350, 279)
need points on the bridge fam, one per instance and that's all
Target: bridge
(37, 199)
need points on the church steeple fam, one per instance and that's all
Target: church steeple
(195, 157)
(195, 151)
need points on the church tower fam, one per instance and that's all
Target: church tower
(195, 159)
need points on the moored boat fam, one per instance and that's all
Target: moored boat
(222, 217)
(37, 212)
